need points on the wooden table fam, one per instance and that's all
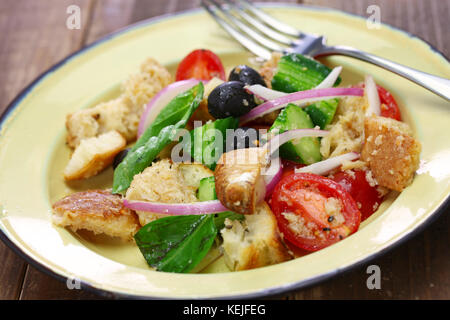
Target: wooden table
(33, 37)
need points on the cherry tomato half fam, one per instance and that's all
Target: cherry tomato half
(200, 64)
(389, 107)
(367, 197)
(314, 212)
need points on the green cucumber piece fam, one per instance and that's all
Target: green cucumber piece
(322, 113)
(207, 192)
(296, 72)
(205, 149)
(307, 150)
(207, 189)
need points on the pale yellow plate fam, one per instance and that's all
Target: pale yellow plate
(33, 155)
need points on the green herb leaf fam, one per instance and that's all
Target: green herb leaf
(158, 135)
(176, 243)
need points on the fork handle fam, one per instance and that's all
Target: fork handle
(438, 85)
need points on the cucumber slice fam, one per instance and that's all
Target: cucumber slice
(296, 72)
(307, 150)
(207, 189)
(206, 192)
(322, 113)
(204, 144)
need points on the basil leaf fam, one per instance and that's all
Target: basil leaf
(176, 243)
(158, 135)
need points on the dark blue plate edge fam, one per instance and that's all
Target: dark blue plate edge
(262, 293)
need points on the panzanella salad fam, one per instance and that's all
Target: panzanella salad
(259, 167)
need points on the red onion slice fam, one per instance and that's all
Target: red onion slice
(325, 166)
(267, 94)
(203, 207)
(301, 98)
(158, 102)
(370, 90)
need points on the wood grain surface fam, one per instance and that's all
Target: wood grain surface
(33, 37)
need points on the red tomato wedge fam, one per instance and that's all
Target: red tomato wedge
(367, 197)
(389, 107)
(200, 64)
(314, 212)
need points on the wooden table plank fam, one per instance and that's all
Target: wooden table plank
(39, 286)
(28, 30)
(417, 269)
(11, 273)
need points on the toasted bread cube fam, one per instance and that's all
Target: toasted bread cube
(140, 87)
(102, 118)
(121, 114)
(254, 242)
(98, 211)
(346, 132)
(391, 152)
(93, 155)
(167, 182)
(240, 186)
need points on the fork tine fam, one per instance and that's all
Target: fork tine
(271, 21)
(246, 42)
(250, 32)
(273, 34)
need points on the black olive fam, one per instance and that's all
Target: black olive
(245, 138)
(246, 75)
(230, 99)
(119, 157)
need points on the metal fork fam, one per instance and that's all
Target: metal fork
(261, 34)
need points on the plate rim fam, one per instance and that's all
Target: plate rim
(445, 203)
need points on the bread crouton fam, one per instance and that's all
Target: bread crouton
(121, 114)
(104, 117)
(239, 183)
(391, 152)
(166, 182)
(254, 242)
(98, 211)
(93, 155)
(139, 88)
(346, 132)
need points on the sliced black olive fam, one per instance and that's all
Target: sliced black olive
(230, 99)
(246, 75)
(119, 157)
(245, 138)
